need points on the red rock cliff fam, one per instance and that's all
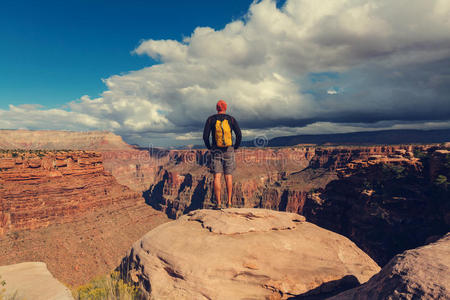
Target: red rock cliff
(36, 191)
(55, 204)
(385, 198)
(276, 178)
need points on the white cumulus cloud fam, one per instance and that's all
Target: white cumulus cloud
(274, 67)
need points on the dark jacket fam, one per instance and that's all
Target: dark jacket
(210, 130)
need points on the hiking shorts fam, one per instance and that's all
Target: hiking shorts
(222, 161)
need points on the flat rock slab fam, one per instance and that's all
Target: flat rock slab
(243, 254)
(421, 273)
(32, 280)
(243, 220)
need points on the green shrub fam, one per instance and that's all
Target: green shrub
(396, 171)
(109, 287)
(441, 181)
(420, 154)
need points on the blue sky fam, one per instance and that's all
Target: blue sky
(152, 71)
(53, 52)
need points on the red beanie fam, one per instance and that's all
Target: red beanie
(221, 105)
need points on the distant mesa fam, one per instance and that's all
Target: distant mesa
(381, 137)
(58, 140)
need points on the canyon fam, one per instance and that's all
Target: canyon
(384, 198)
(275, 178)
(90, 202)
(56, 205)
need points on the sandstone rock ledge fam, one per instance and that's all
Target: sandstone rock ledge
(32, 280)
(421, 273)
(243, 254)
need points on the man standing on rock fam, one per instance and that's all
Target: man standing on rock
(222, 149)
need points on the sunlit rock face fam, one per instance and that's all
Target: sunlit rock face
(421, 273)
(275, 178)
(59, 204)
(384, 198)
(244, 254)
(55, 187)
(32, 280)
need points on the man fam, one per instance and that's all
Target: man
(220, 126)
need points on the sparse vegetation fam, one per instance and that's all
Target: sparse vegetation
(315, 190)
(21, 153)
(441, 181)
(394, 171)
(109, 287)
(2, 284)
(3, 295)
(420, 153)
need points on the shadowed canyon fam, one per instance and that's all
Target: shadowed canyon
(79, 201)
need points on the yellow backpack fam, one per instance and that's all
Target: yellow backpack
(223, 134)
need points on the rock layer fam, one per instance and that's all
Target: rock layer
(422, 273)
(59, 204)
(61, 140)
(384, 198)
(243, 254)
(32, 280)
(386, 208)
(269, 178)
(55, 187)
(135, 169)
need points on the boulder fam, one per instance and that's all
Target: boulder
(421, 273)
(32, 280)
(245, 253)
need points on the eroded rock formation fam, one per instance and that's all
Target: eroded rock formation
(422, 273)
(54, 187)
(385, 198)
(269, 178)
(386, 208)
(135, 169)
(243, 254)
(59, 204)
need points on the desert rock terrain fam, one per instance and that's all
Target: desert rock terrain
(60, 204)
(384, 198)
(60, 140)
(422, 273)
(92, 201)
(244, 253)
(32, 280)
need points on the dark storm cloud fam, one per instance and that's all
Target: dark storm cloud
(319, 65)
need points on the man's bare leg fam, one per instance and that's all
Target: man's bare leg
(217, 187)
(229, 182)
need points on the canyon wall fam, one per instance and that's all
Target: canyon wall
(387, 208)
(135, 169)
(55, 187)
(276, 178)
(59, 203)
(385, 198)
(89, 204)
